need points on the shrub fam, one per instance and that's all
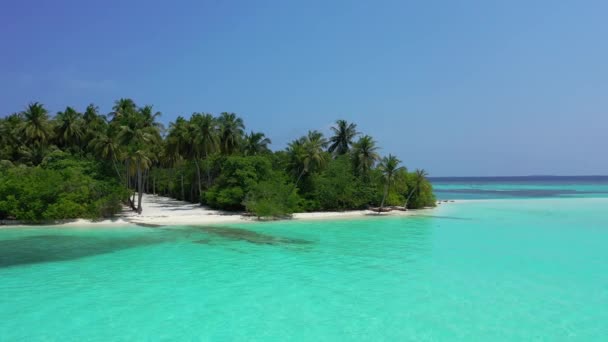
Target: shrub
(37, 194)
(272, 198)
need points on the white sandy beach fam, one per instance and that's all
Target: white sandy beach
(162, 211)
(159, 210)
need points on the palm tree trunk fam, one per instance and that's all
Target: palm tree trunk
(409, 196)
(383, 198)
(183, 193)
(298, 180)
(198, 175)
(140, 184)
(127, 178)
(208, 170)
(191, 192)
(116, 168)
(147, 181)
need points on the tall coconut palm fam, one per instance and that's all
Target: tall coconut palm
(178, 145)
(177, 138)
(36, 129)
(307, 154)
(137, 134)
(419, 178)
(142, 159)
(93, 123)
(388, 166)
(364, 155)
(91, 115)
(203, 135)
(149, 117)
(69, 129)
(231, 132)
(106, 147)
(122, 108)
(256, 143)
(342, 140)
(138, 157)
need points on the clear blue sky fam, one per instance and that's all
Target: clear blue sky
(457, 87)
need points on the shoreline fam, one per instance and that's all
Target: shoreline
(164, 211)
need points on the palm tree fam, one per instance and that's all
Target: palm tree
(177, 138)
(256, 143)
(419, 178)
(93, 122)
(231, 132)
(344, 133)
(9, 136)
(91, 115)
(307, 154)
(36, 129)
(149, 117)
(142, 161)
(123, 107)
(106, 147)
(389, 166)
(34, 154)
(203, 137)
(177, 145)
(137, 134)
(365, 155)
(69, 129)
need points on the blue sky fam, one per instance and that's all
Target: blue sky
(474, 88)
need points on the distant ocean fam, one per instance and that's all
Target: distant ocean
(448, 188)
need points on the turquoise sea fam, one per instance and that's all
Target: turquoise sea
(514, 266)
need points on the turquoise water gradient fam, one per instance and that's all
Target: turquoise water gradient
(498, 270)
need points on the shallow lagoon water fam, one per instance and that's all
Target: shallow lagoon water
(479, 270)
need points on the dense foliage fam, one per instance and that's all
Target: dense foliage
(93, 161)
(59, 188)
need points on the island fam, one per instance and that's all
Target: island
(89, 165)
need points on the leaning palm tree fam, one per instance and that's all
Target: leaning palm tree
(36, 129)
(419, 178)
(389, 166)
(365, 155)
(69, 129)
(344, 133)
(231, 132)
(256, 143)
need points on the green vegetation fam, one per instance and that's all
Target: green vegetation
(61, 188)
(86, 164)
